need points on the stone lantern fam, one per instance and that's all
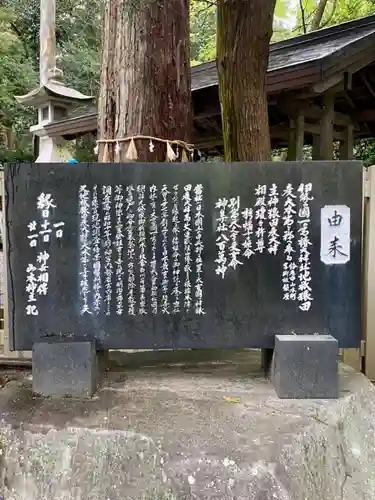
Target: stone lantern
(54, 101)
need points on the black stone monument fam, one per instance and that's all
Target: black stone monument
(200, 255)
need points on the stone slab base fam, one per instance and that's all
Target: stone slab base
(180, 431)
(306, 366)
(65, 368)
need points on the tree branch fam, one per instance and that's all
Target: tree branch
(303, 16)
(21, 38)
(315, 25)
(308, 17)
(327, 22)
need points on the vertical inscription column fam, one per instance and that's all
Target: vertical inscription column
(187, 246)
(96, 259)
(176, 292)
(198, 226)
(107, 233)
(247, 233)
(260, 215)
(142, 248)
(222, 238)
(119, 245)
(289, 266)
(37, 278)
(153, 229)
(234, 230)
(85, 246)
(130, 229)
(304, 288)
(273, 216)
(121, 230)
(164, 250)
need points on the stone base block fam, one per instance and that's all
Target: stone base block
(306, 366)
(65, 368)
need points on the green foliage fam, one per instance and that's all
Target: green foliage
(202, 31)
(79, 45)
(78, 34)
(365, 151)
(346, 10)
(335, 12)
(284, 20)
(7, 156)
(16, 76)
(85, 149)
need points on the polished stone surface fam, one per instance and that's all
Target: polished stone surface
(244, 309)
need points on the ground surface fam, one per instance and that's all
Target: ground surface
(185, 427)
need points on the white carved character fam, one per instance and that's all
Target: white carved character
(44, 203)
(32, 226)
(33, 240)
(31, 310)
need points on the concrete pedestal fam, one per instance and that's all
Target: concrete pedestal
(306, 366)
(175, 430)
(65, 368)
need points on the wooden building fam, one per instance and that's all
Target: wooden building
(321, 89)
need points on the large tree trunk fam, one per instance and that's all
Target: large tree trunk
(145, 80)
(244, 30)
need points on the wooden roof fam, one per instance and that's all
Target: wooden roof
(316, 54)
(302, 67)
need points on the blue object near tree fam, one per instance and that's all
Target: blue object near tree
(72, 161)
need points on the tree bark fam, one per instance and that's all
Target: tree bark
(145, 79)
(244, 30)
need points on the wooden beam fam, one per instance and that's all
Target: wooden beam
(327, 128)
(367, 128)
(313, 112)
(348, 80)
(300, 136)
(281, 132)
(207, 113)
(369, 275)
(71, 126)
(333, 81)
(316, 130)
(358, 62)
(346, 146)
(366, 115)
(340, 79)
(201, 142)
(7, 338)
(316, 147)
(349, 100)
(292, 143)
(368, 85)
(210, 125)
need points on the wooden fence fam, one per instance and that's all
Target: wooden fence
(362, 359)
(5, 352)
